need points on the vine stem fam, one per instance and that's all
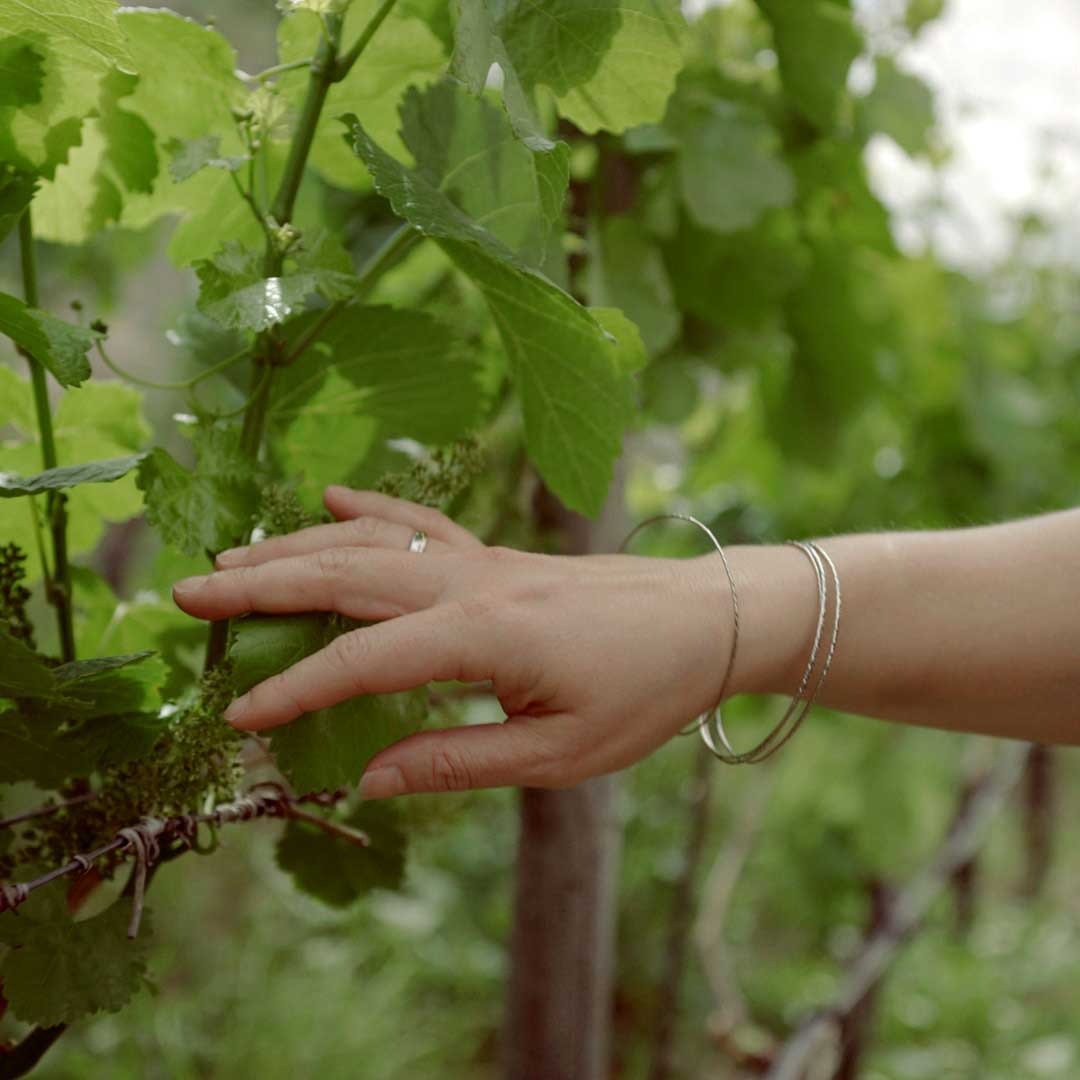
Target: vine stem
(182, 384)
(58, 584)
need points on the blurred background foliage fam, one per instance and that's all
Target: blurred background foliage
(806, 377)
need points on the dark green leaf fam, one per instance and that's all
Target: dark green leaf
(109, 684)
(91, 472)
(17, 187)
(62, 970)
(61, 347)
(576, 400)
(22, 672)
(22, 72)
(207, 509)
(337, 871)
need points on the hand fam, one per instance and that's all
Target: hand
(597, 660)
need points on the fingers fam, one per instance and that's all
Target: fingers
(355, 532)
(364, 584)
(521, 752)
(344, 502)
(444, 642)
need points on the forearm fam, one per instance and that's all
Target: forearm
(971, 629)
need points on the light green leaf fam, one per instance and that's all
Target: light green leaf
(337, 871)
(109, 684)
(74, 43)
(62, 970)
(576, 401)
(467, 149)
(61, 347)
(625, 270)
(207, 509)
(730, 166)
(189, 156)
(91, 472)
(901, 106)
(405, 53)
(816, 42)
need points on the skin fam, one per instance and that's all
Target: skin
(598, 660)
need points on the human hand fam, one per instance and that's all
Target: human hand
(597, 660)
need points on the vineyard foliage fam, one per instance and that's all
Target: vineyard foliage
(438, 239)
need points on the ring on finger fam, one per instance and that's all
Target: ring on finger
(419, 541)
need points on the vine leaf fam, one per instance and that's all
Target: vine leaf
(22, 672)
(61, 347)
(64, 476)
(577, 399)
(234, 291)
(611, 64)
(205, 509)
(329, 748)
(466, 148)
(730, 166)
(816, 42)
(408, 53)
(17, 187)
(900, 105)
(61, 970)
(338, 872)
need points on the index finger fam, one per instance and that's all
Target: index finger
(443, 642)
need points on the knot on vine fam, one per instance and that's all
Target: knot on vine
(142, 841)
(11, 896)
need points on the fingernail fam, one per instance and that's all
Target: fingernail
(235, 713)
(382, 782)
(231, 555)
(189, 585)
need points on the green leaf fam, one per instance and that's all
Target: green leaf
(234, 291)
(625, 270)
(329, 748)
(405, 53)
(467, 149)
(109, 684)
(576, 400)
(91, 472)
(72, 44)
(61, 347)
(116, 739)
(730, 166)
(31, 751)
(901, 106)
(190, 155)
(338, 872)
(22, 72)
(921, 12)
(207, 509)
(611, 64)
(62, 970)
(816, 42)
(22, 672)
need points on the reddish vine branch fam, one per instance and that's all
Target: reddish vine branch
(146, 840)
(903, 916)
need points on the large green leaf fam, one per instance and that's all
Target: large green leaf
(611, 64)
(816, 42)
(60, 346)
(466, 147)
(405, 53)
(576, 398)
(339, 872)
(900, 105)
(61, 970)
(61, 49)
(22, 672)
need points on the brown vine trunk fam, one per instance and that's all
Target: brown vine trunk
(559, 1012)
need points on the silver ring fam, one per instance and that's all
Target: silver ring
(418, 541)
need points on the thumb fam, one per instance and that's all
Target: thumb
(521, 751)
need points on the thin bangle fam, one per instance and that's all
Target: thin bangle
(699, 724)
